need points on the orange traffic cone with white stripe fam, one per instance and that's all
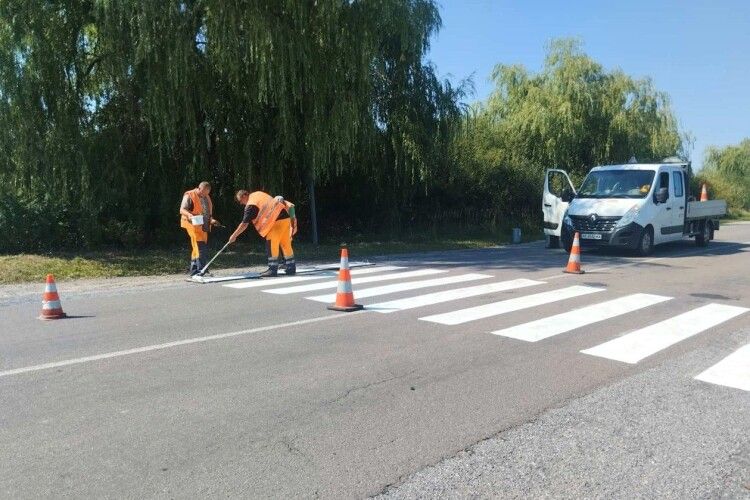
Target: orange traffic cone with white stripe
(344, 294)
(574, 262)
(704, 193)
(51, 307)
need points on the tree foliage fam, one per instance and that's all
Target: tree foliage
(727, 172)
(110, 109)
(571, 115)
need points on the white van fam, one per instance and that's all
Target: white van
(633, 206)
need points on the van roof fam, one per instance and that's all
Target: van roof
(638, 166)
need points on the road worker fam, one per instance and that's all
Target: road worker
(275, 220)
(196, 217)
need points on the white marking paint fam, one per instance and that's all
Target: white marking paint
(635, 346)
(450, 295)
(355, 281)
(510, 305)
(578, 318)
(169, 345)
(402, 287)
(732, 371)
(283, 280)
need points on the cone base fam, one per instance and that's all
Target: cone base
(355, 307)
(54, 316)
(574, 272)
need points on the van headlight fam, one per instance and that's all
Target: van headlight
(629, 217)
(567, 220)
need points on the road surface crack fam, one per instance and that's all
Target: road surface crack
(366, 386)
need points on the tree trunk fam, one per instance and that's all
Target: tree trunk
(313, 212)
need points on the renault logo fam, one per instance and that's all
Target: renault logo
(593, 217)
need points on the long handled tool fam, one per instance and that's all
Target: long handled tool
(205, 268)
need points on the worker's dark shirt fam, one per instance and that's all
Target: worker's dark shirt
(251, 212)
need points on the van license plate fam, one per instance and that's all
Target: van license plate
(591, 236)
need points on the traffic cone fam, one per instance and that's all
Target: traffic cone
(574, 263)
(704, 193)
(344, 294)
(51, 307)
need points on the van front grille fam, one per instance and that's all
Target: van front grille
(600, 223)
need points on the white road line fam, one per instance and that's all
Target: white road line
(355, 281)
(168, 345)
(732, 371)
(635, 346)
(506, 306)
(571, 320)
(283, 280)
(450, 295)
(402, 287)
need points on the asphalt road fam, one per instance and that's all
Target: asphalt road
(171, 389)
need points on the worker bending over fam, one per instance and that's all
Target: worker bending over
(275, 220)
(196, 213)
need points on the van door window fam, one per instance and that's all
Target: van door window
(664, 180)
(678, 185)
(557, 184)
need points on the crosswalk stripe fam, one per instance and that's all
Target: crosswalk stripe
(356, 281)
(283, 280)
(402, 287)
(506, 306)
(732, 371)
(450, 295)
(571, 320)
(635, 346)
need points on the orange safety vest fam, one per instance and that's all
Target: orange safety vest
(268, 211)
(197, 210)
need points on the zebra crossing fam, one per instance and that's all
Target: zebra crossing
(626, 347)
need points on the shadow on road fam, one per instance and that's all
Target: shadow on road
(533, 256)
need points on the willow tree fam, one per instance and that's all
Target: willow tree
(573, 115)
(117, 106)
(727, 172)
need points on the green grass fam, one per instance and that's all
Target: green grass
(738, 215)
(108, 264)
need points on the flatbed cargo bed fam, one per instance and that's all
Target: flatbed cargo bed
(705, 209)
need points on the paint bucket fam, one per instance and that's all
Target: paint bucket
(516, 238)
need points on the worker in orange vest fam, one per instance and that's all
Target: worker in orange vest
(196, 217)
(275, 220)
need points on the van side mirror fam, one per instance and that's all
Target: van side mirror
(567, 196)
(662, 195)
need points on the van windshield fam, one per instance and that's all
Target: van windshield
(617, 184)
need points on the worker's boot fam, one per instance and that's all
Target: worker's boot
(291, 267)
(194, 267)
(271, 272)
(273, 269)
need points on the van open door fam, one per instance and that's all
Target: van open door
(557, 187)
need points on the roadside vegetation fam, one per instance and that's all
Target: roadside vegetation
(726, 172)
(111, 110)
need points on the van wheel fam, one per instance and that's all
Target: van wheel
(704, 237)
(646, 243)
(552, 241)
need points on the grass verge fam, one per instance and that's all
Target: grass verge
(737, 215)
(109, 264)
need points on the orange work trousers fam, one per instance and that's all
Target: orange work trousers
(281, 236)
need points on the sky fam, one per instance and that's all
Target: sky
(698, 51)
